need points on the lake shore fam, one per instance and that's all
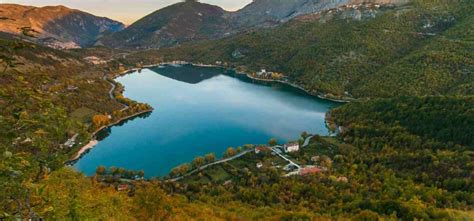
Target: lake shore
(324, 97)
(318, 95)
(93, 142)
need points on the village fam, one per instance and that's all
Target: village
(309, 156)
(306, 157)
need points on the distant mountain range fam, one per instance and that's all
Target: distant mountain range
(192, 21)
(58, 26)
(188, 21)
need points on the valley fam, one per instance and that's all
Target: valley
(198, 113)
(200, 110)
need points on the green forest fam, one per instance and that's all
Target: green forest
(424, 48)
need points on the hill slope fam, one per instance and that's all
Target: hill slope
(419, 49)
(58, 26)
(175, 24)
(191, 21)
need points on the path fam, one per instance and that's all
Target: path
(111, 93)
(211, 164)
(281, 155)
(306, 141)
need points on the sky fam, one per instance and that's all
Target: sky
(126, 11)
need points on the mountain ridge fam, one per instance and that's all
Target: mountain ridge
(58, 26)
(172, 25)
(178, 23)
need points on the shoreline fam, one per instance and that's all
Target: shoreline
(294, 85)
(93, 142)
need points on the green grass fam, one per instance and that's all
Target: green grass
(83, 114)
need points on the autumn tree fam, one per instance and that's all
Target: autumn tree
(100, 120)
(184, 168)
(272, 142)
(230, 152)
(101, 170)
(210, 158)
(198, 162)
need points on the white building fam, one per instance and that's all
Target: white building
(291, 147)
(262, 73)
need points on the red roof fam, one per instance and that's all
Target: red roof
(261, 148)
(309, 170)
(122, 187)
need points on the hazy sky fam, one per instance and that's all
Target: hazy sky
(126, 11)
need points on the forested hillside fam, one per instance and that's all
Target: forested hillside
(426, 121)
(423, 48)
(47, 97)
(376, 169)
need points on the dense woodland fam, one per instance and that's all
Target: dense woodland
(410, 158)
(424, 48)
(401, 154)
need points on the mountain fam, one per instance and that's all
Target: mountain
(270, 12)
(191, 21)
(173, 25)
(58, 26)
(356, 52)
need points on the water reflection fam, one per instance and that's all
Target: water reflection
(104, 133)
(188, 73)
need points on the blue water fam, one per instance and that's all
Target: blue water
(199, 111)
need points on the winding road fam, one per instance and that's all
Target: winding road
(111, 93)
(306, 142)
(211, 164)
(283, 157)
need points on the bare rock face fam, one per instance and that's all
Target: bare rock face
(58, 26)
(270, 12)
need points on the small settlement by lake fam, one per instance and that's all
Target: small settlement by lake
(200, 110)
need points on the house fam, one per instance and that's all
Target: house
(262, 72)
(309, 170)
(122, 187)
(291, 147)
(259, 165)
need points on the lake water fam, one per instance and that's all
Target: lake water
(198, 111)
